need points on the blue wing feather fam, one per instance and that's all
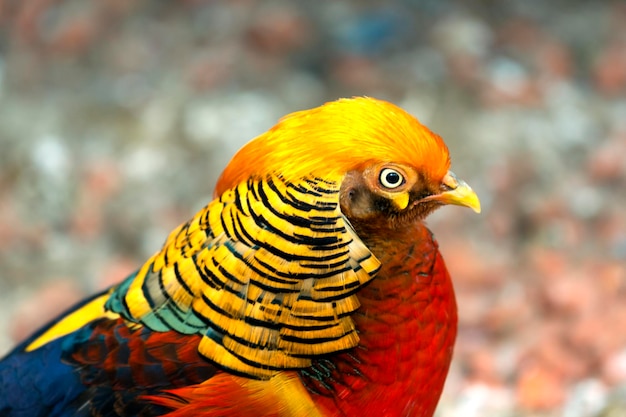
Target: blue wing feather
(38, 383)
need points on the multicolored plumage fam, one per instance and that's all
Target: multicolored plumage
(309, 286)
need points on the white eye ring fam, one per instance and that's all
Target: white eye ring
(390, 178)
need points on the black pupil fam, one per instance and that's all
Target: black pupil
(392, 178)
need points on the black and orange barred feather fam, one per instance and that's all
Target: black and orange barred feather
(266, 273)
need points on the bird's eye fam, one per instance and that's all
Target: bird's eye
(390, 178)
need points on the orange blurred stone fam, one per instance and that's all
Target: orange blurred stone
(595, 336)
(102, 179)
(606, 162)
(357, 72)
(609, 71)
(472, 308)
(538, 388)
(563, 359)
(465, 69)
(610, 228)
(554, 59)
(570, 293)
(471, 267)
(117, 269)
(100, 182)
(277, 31)
(509, 312)
(611, 275)
(483, 367)
(548, 263)
(75, 35)
(501, 223)
(614, 368)
(12, 226)
(206, 71)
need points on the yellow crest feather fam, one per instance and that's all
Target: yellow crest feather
(330, 140)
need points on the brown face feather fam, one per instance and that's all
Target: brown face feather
(367, 207)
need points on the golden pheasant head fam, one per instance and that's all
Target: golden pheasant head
(386, 161)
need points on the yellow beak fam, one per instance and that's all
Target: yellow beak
(458, 193)
(401, 201)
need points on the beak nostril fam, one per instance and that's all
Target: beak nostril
(445, 187)
(450, 182)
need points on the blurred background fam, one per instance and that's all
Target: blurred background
(117, 116)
